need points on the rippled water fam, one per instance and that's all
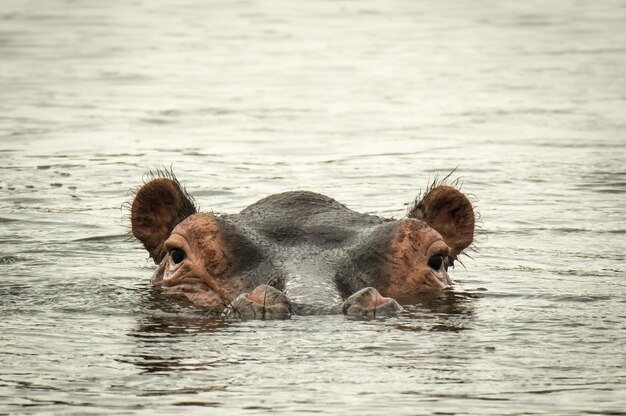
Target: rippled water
(365, 101)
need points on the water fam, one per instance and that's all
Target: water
(365, 101)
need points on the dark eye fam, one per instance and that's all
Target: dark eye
(435, 262)
(178, 255)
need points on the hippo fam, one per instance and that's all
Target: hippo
(299, 252)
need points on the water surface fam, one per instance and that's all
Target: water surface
(365, 101)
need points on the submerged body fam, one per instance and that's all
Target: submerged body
(299, 252)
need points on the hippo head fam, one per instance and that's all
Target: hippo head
(299, 252)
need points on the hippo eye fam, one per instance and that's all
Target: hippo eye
(178, 255)
(435, 262)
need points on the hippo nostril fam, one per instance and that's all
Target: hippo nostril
(267, 295)
(369, 302)
(256, 298)
(262, 303)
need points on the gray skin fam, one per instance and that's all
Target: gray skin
(304, 242)
(299, 253)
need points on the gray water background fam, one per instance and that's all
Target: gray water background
(366, 101)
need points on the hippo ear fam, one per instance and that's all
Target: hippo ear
(158, 207)
(447, 210)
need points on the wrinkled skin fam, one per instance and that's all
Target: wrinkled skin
(299, 252)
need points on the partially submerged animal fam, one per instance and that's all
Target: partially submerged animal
(300, 252)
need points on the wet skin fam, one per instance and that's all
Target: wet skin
(299, 252)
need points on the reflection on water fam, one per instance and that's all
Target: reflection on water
(365, 101)
(448, 310)
(155, 331)
(449, 302)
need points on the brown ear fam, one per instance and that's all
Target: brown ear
(158, 207)
(448, 211)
